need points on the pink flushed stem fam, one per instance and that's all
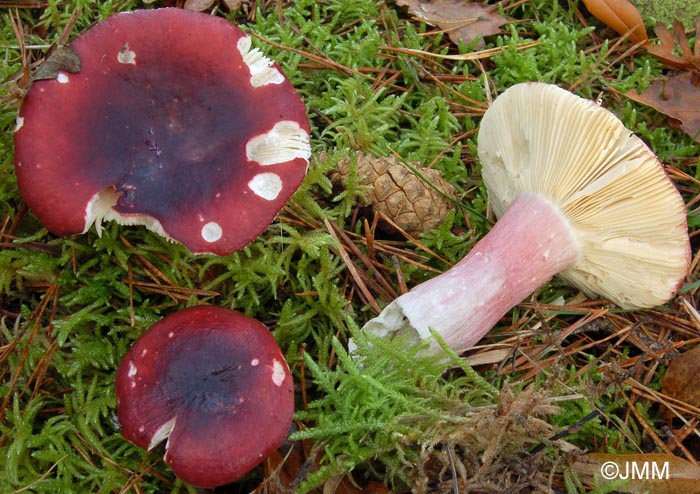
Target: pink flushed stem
(529, 244)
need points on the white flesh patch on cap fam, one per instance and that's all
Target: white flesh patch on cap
(211, 232)
(266, 185)
(62, 77)
(99, 209)
(133, 370)
(278, 372)
(126, 56)
(162, 433)
(261, 70)
(19, 123)
(285, 142)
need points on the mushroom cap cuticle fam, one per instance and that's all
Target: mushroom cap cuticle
(165, 110)
(187, 381)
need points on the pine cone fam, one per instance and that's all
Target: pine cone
(414, 205)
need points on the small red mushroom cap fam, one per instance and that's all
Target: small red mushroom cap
(174, 122)
(213, 384)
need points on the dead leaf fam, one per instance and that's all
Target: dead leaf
(287, 467)
(676, 97)
(201, 5)
(60, 59)
(198, 5)
(682, 379)
(674, 50)
(462, 21)
(653, 473)
(621, 16)
(233, 4)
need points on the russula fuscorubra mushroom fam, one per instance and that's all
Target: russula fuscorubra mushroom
(214, 385)
(577, 194)
(174, 121)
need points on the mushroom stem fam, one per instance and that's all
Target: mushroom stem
(529, 244)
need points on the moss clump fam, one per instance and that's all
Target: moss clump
(667, 10)
(413, 415)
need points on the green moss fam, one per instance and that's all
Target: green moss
(72, 306)
(666, 11)
(384, 403)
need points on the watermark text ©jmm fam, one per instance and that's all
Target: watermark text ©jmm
(634, 470)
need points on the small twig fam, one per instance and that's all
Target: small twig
(413, 240)
(68, 28)
(322, 60)
(476, 55)
(352, 268)
(453, 470)
(41, 478)
(573, 429)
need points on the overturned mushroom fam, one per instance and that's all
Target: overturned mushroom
(174, 122)
(214, 385)
(577, 194)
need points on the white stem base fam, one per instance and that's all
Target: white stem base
(529, 244)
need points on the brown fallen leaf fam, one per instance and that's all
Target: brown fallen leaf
(233, 4)
(674, 50)
(60, 59)
(462, 21)
(287, 467)
(682, 379)
(678, 98)
(198, 5)
(621, 16)
(653, 473)
(201, 5)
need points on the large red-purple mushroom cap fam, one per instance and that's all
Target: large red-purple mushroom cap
(214, 385)
(174, 122)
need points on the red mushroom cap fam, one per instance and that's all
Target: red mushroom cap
(173, 122)
(214, 383)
